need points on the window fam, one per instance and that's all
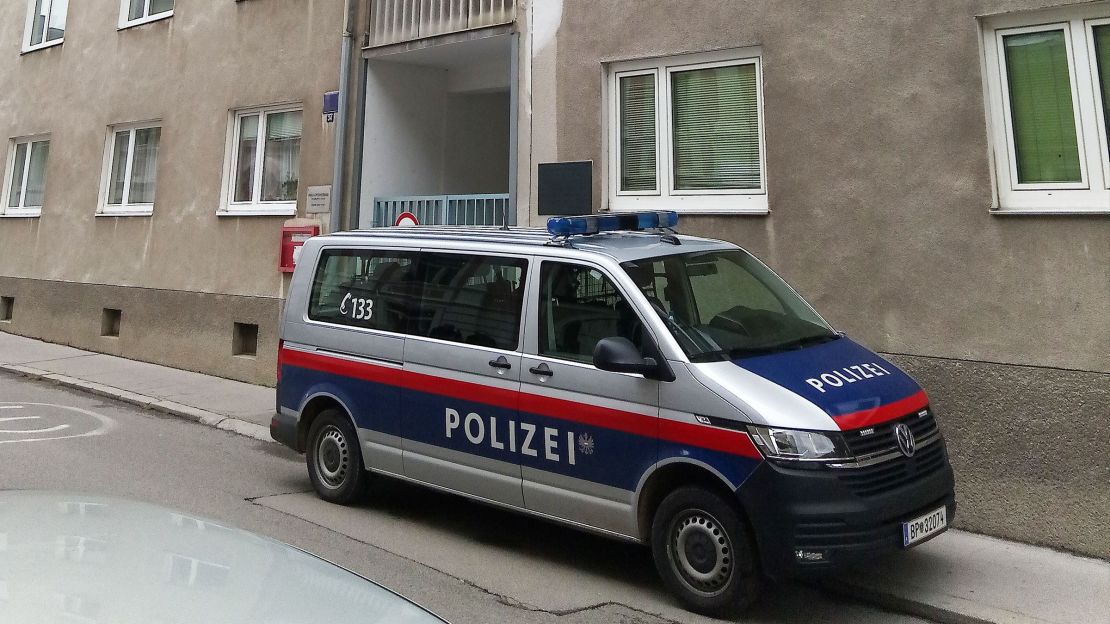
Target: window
(471, 299)
(1048, 90)
(135, 12)
(468, 299)
(365, 288)
(579, 306)
(264, 161)
(46, 23)
(131, 170)
(686, 133)
(26, 177)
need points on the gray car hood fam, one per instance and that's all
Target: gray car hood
(89, 559)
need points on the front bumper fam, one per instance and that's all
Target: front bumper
(824, 511)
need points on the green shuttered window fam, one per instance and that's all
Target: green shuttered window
(637, 133)
(1101, 36)
(1045, 141)
(715, 128)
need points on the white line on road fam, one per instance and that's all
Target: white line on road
(11, 418)
(47, 430)
(3, 407)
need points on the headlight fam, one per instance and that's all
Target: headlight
(797, 445)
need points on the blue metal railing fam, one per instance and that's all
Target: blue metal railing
(481, 209)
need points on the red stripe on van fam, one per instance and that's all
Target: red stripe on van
(882, 413)
(711, 438)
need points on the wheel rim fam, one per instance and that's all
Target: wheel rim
(701, 552)
(333, 457)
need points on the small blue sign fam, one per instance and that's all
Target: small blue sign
(331, 104)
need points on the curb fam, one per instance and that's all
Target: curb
(940, 613)
(197, 415)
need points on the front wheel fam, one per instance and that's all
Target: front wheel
(704, 552)
(334, 459)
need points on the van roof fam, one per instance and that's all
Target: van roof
(620, 245)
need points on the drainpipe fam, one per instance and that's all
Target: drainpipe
(336, 221)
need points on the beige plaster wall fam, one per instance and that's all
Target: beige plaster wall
(188, 71)
(878, 171)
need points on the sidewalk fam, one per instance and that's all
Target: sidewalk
(231, 405)
(958, 577)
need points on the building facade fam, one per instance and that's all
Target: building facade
(934, 177)
(931, 176)
(153, 149)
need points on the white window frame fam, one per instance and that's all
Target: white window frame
(125, 209)
(255, 207)
(30, 22)
(124, 5)
(1091, 195)
(665, 196)
(9, 164)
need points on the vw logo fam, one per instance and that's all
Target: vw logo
(906, 443)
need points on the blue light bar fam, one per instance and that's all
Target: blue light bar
(627, 221)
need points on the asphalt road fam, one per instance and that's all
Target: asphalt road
(467, 562)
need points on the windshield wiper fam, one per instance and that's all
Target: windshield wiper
(789, 345)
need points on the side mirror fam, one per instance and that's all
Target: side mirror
(619, 355)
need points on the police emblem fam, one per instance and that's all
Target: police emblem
(585, 444)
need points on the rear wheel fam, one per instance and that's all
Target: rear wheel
(704, 553)
(335, 460)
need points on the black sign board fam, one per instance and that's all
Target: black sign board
(566, 188)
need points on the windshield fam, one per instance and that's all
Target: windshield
(726, 304)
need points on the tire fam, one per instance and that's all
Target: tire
(335, 460)
(704, 553)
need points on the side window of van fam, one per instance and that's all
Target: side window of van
(579, 306)
(368, 288)
(471, 299)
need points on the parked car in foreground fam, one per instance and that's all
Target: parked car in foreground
(615, 376)
(84, 559)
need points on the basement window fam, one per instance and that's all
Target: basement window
(7, 304)
(244, 340)
(110, 320)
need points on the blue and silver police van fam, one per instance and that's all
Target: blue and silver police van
(615, 376)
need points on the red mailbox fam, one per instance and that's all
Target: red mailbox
(292, 238)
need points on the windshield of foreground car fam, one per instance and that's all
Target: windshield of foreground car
(726, 304)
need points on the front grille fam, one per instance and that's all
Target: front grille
(894, 473)
(882, 440)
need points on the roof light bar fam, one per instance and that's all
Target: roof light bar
(627, 221)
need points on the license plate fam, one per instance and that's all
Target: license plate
(924, 527)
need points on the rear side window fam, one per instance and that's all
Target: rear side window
(471, 299)
(375, 289)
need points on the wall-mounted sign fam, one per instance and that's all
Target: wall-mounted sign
(319, 199)
(566, 188)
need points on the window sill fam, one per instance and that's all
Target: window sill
(144, 20)
(1049, 212)
(714, 204)
(21, 215)
(126, 213)
(281, 210)
(42, 46)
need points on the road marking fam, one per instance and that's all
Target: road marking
(96, 424)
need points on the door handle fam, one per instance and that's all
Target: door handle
(543, 370)
(500, 363)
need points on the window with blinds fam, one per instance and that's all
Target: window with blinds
(715, 128)
(687, 133)
(1045, 143)
(637, 133)
(1048, 98)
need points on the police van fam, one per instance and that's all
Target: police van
(615, 376)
